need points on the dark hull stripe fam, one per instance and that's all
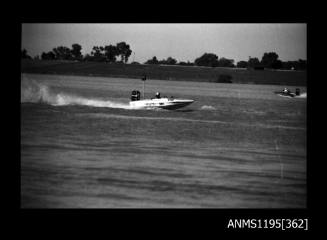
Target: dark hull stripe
(175, 106)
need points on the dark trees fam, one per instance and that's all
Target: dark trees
(154, 60)
(188, 63)
(224, 62)
(270, 60)
(48, 56)
(62, 53)
(295, 65)
(24, 54)
(98, 54)
(168, 61)
(124, 51)
(242, 64)
(76, 52)
(253, 62)
(111, 52)
(207, 59)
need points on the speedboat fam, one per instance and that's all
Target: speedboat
(287, 93)
(163, 103)
(157, 102)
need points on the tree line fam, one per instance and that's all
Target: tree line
(107, 53)
(110, 53)
(269, 61)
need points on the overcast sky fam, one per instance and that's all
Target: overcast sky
(184, 42)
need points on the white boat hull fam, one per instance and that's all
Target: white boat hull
(163, 103)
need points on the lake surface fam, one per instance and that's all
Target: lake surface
(236, 146)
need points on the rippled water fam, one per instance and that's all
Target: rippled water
(223, 151)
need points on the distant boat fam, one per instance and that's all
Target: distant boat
(157, 102)
(287, 93)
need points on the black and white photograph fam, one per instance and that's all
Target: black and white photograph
(163, 115)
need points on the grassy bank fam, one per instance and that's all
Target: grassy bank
(184, 73)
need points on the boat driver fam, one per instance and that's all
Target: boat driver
(158, 95)
(286, 90)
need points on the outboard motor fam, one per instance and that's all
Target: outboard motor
(297, 92)
(136, 95)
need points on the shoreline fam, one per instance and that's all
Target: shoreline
(169, 73)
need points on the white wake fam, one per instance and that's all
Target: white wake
(206, 107)
(33, 92)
